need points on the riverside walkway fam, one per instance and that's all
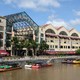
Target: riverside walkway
(39, 58)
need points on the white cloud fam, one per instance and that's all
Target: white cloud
(35, 4)
(75, 22)
(57, 22)
(77, 12)
(9, 1)
(27, 4)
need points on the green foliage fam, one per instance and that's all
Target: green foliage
(17, 45)
(31, 44)
(43, 46)
(78, 51)
(8, 43)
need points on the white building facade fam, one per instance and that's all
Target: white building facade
(60, 39)
(2, 32)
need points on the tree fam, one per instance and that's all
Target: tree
(31, 45)
(20, 47)
(43, 46)
(28, 47)
(14, 43)
(78, 51)
(34, 46)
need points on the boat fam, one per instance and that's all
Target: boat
(9, 67)
(37, 64)
(67, 61)
(74, 61)
(28, 64)
(77, 61)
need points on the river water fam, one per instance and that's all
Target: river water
(57, 72)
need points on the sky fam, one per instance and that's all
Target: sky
(57, 12)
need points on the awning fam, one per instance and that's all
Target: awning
(60, 52)
(75, 38)
(3, 53)
(51, 35)
(71, 52)
(62, 36)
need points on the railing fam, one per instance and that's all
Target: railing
(40, 57)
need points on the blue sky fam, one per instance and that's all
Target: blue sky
(57, 12)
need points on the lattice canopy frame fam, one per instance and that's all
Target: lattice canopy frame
(21, 20)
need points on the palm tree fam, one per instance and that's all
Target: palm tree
(28, 47)
(20, 47)
(34, 46)
(31, 45)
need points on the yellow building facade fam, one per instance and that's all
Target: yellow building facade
(60, 39)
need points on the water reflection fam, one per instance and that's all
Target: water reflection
(57, 72)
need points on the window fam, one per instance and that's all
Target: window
(76, 43)
(73, 47)
(0, 20)
(56, 46)
(52, 41)
(41, 34)
(61, 46)
(68, 47)
(64, 41)
(50, 46)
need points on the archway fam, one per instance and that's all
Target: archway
(63, 33)
(74, 34)
(50, 31)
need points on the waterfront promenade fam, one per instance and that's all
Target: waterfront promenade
(10, 59)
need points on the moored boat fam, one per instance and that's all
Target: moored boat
(9, 67)
(77, 61)
(67, 61)
(37, 64)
